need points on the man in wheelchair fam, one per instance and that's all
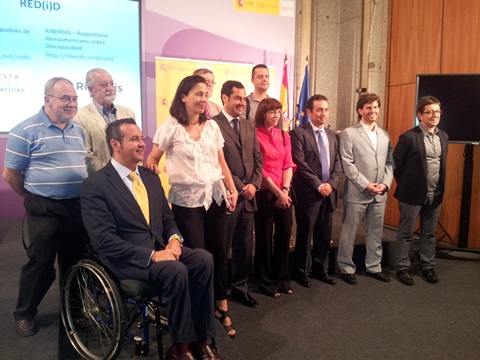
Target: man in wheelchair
(132, 228)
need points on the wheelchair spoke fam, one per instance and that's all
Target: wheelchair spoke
(92, 312)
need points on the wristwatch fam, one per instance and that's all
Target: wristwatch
(286, 188)
(177, 237)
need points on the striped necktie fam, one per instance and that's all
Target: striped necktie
(141, 195)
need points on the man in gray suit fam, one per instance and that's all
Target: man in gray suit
(94, 117)
(244, 159)
(367, 161)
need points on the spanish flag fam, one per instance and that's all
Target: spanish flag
(284, 98)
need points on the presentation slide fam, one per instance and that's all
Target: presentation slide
(43, 39)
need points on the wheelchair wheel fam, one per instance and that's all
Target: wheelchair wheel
(92, 311)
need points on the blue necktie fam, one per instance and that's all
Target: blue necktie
(323, 157)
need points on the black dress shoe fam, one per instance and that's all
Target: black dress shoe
(206, 352)
(179, 351)
(304, 280)
(350, 279)
(379, 276)
(327, 279)
(171, 355)
(430, 275)
(25, 327)
(404, 277)
(245, 298)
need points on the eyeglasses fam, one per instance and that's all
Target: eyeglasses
(433, 112)
(210, 82)
(65, 98)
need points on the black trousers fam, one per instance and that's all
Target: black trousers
(272, 246)
(240, 235)
(313, 221)
(54, 227)
(207, 230)
(187, 290)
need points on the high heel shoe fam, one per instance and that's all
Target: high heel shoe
(287, 291)
(285, 287)
(273, 293)
(223, 316)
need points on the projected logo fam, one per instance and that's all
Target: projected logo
(11, 82)
(41, 5)
(83, 86)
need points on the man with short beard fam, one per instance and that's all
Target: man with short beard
(245, 161)
(95, 117)
(367, 159)
(45, 164)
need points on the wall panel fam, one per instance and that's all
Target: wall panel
(460, 54)
(461, 37)
(450, 216)
(415, 39)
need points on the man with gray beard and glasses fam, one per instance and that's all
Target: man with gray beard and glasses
(95, 117)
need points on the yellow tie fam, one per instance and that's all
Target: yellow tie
(141, 195)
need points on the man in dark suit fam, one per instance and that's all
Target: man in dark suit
(132, 228)
(420, 168)
(315, 183)
(244, 160)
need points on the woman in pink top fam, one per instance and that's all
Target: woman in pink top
(273, 201)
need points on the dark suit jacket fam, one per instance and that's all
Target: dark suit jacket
(306, 156)
(411, 166)
(116, 226)
(244, 158)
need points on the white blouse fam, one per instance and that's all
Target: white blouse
(194, 173)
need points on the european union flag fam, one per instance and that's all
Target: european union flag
(302, 117)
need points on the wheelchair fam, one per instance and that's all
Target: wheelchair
(98, 311)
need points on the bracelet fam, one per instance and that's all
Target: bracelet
(286, 188)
